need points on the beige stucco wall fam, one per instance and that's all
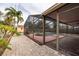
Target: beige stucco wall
(20, 29)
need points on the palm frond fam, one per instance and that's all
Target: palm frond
(8, 9)
(19, 13)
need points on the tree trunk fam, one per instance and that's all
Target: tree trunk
(10, 37)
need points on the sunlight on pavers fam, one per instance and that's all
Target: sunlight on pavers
(23, 46)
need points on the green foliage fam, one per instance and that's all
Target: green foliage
(39, 34)
(8, 21)
(4, 44)
(15, 14)
(7, 27)
(18, 33)
(8, 47)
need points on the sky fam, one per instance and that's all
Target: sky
(27, 8)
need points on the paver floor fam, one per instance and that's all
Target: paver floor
(47, 38)
(69, 44)
(23, 46)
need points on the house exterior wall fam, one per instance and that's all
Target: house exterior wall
(20, 29)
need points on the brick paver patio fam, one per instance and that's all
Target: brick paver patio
(23, 46)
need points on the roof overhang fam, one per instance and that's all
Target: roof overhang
(68, 12)
(53, 8)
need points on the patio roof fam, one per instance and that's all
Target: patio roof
(68, 13)
(53, 8)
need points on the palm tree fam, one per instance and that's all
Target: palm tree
(15, 15)
(6, 26)
(1, 14)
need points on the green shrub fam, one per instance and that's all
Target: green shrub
(4, 44)
(38, 34)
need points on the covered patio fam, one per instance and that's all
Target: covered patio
(35, 28)
(68, 14)
(57, 27)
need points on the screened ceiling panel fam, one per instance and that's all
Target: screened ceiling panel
(68, 14)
